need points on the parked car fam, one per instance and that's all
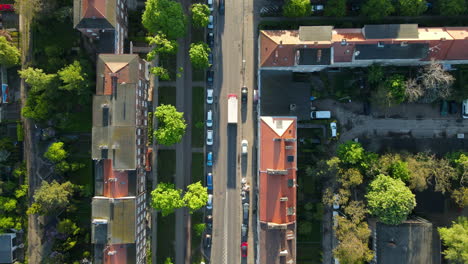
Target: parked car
(5, 94)
(246, 211)
(333, 129)
(210, 39)
(244, 94)
(210, 22)
(316, 8)
(209, 118)
(244, 248)
(244, 146)
(7, 7)
(210, 4)
(465, 108)
(207, 241)
(221, 7)
(209, 137)
(209, 159)
(320, 115)
(443, 108)
(209, 221)
(209, 204)
(209, 181)
(209, 96)
(244, 230)
(209, 77)
(210, 59)
(453, 107)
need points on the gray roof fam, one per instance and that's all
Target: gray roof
(315, 33)
(315, 56)
(120, 214)
(391, 51)
(408, 243)
(133, 61)
(6, 255)
(391, 31)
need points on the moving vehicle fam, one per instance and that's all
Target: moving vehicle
(443, 108)
(209, 159)
(221, 7)
(232, 109)
(210, 22)
(209, 77)
(320, 114)
(209, 96)
(244, 247)
(209, 181)
(209, 204)
(7, 7)
(333, 129)
(244, 93)
(244, 146)
(465, 108)
(209, 118)
(209, 137)
(210, 39)
(246, 211)
(207, 241)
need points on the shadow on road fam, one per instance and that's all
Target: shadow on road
(232, 156)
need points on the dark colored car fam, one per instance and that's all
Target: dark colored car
(210, 39)
(207, 241)
(209, 77)
(6, 7)
(209, 221)
(443, 108)
(366, 107)
(221, 7)
(244, 93)
(244, 247)
(453, 107)
(210, 59)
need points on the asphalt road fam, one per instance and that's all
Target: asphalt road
(233, 67)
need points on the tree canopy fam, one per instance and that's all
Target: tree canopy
(390, 200)
(296, 8)
(9, 54)
(350, 152)
(199, 55)
(200, 15)
(74, 79)
(166, 198)
(377, 9)
(165, 16)
(52, 197)
(171, 125)
(452, 7)
(55, 152)
(455, 239)
(335, 8)
(37, 79)
(412, 7)
(161, 44)
(196, 196)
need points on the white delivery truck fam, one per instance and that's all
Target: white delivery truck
(320, 114)
(232, 109)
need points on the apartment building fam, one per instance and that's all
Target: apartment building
(119, 136)
(104, 22)
(277, 190)
(314, 48)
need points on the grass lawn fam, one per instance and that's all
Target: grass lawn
(166, 237)
(197, 167)
(308, 253)
(166, 165)
(198, 35)
(198, 75)
(197, 218)
(79, 122)
(198, 116)
(167, 95)
(169, 62)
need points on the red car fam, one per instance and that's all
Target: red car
(6, 7)
(244, 247)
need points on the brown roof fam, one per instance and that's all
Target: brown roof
(94, 13)
(277, 246)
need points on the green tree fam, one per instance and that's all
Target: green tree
(171, 125)
(375, 73)
(399, 170)
(335, 8)
(161, 72)
(452, 7)
(304, 228)
(56, 153)
(165, 16)
(350, 152)
(67, 227)
(350, 178)
(200, 15)
(352, 250)
(420, 170)
(168, 261)
(356, 211)
(52, 197)
(377, 9)
(296, 8)
(166, 198)
(74, 79)
(199, 228)
(199, 55)
(444, 174)
(6, 223)
(9, 54)
(396, 88)
(161, 44)
(7, 204)
(37, 79)
(461, 196)
(196, 196)
(455, 239)
(412, 7)
(390, 200)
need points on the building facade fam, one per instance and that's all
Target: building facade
(277, 190)
(314, 48)
(119, 136)
(104, 22)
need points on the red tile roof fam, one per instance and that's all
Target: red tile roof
(115, 182)
(278, 47)
(277, 144)
(94, 8)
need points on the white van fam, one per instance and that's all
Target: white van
(465, 108)
(209, 118)
(320, 114)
